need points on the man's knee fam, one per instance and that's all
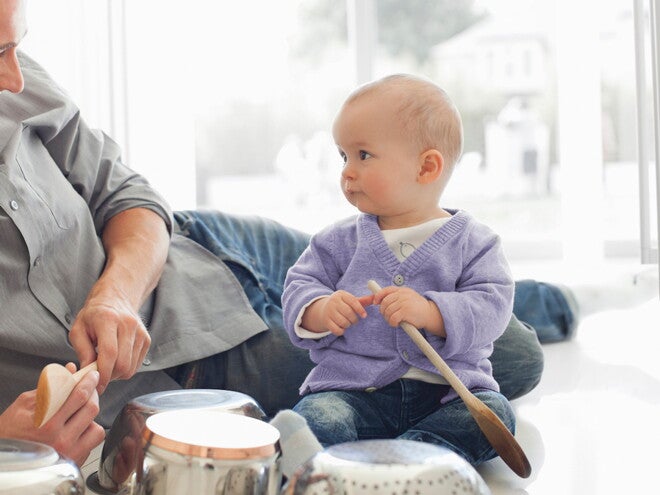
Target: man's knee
(517, 360)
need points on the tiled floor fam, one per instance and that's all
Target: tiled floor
(592, 426)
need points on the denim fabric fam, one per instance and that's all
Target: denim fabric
(405, 409)
(550, 309)
(259, 252)
(263, 247)
(270, 369)
(517, 360)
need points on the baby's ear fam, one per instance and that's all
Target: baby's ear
(431, 166)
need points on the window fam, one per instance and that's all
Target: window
(229, 105)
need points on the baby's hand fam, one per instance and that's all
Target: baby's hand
(339, 311)
(399, 304)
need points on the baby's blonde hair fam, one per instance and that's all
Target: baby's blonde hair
(427, 113)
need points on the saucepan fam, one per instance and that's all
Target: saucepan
(32, 468)
(207, 452)
(392, 467)
(123, 445)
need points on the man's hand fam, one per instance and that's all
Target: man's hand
(109, 331)
(71, 431)
(108, 328)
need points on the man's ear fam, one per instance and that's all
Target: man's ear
(431, 165)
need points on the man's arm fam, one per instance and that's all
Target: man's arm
(108, 327)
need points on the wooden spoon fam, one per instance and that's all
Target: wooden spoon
(54, 386)
(493, 428)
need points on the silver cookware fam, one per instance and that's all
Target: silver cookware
(123, 445)
(208, 453)
(31, 468)
(392, 467)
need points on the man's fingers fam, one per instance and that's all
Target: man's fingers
(140, 351)
(82, 343)
(83, 397)
(79, 397)
(79, 421)
(126, 343)
(79, 449)
(108, 352)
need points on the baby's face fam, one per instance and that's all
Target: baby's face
(381, 163)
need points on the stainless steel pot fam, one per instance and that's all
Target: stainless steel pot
(208, 453)
(393, 467)
(123, 444)
(31, 468)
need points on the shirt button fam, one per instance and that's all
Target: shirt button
(405, 354)
(146, 362)
(370, 389)
(67, 318)
(398, 280)
(13, 204)
(36, 261)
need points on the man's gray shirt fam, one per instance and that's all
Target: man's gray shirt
(60, 182)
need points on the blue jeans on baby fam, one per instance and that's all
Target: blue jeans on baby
(404, 409)
(269, 368)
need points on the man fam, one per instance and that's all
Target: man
(84, 241)
(94, 266)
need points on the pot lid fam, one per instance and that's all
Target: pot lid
(211, 434)
(392, 452)
(190, 399)
(22, 455)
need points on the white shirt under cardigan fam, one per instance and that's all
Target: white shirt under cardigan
(460, 267)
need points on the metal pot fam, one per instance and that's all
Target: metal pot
(31, 468)
(208, 453)
(386, 466)
(123, 444)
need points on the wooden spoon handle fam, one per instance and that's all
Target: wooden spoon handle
(436, 360)
(489, 423)
(78, 375)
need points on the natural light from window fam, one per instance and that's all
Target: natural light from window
(229, 105)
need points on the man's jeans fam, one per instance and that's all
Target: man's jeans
(405, 409)
(269, 368)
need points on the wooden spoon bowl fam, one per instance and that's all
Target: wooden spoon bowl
(53, 388)
(498, 435)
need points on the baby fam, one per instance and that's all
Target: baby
(442, 271)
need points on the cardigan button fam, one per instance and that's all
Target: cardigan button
(398, 280)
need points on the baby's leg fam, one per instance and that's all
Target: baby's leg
(453, 426)
(342, 416)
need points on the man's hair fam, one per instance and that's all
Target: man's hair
(427, 113)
